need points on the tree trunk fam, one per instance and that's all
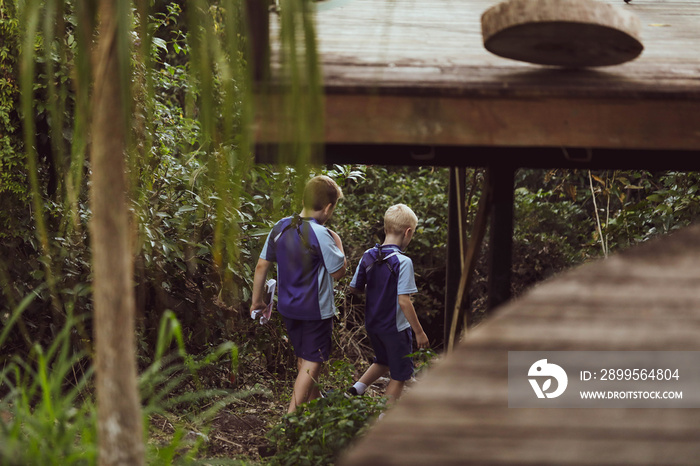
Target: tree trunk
(120, 431)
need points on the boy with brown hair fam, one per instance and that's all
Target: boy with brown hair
(386, 276)
(308, 256)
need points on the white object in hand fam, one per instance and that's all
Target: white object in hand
(266, 312)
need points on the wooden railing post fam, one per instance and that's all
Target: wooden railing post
(258, 17)
(461, 314)
(454, 253)
(501, 234)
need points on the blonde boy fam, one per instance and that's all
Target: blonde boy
(385, 274)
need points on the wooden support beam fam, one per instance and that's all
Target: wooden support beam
(455, 255)
(460, 184)
(507, 122)
(460, 316)
(501, 178)
(258, 16)
(481, 156)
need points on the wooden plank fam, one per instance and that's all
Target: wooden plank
(522, 334)
(488, 420)
(438, 44)
(502, 122)
(451, 449)
(482, 156)
(558, 122)
(644, 299)
(416, 72)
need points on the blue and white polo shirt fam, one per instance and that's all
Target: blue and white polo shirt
(306, 255)
(383, 281)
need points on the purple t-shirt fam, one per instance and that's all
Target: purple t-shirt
(383, 281)
(306, 255)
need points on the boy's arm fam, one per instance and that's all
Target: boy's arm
(358, 282)
(410, 312)
(340, 273)
(261, 270)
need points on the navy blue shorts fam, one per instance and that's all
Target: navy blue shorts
(392, 350)
(311, 339)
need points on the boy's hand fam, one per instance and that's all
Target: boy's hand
(410, 312)
(338, 274)
(422, 340)
(257, 306)
(261, 270)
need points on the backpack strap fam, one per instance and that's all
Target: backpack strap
(297, 223)
(381, 258)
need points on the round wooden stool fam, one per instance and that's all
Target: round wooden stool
(567, 33)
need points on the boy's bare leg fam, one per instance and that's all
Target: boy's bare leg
(315, 391)
(394, 390)
(373, 373)
(305, 385)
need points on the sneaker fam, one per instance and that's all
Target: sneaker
(352, 391)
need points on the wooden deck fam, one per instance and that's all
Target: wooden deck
(646, 299)
(416, 72)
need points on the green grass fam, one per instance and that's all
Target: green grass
(47, 409)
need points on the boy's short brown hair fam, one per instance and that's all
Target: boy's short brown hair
(320, 191)
(398, 218)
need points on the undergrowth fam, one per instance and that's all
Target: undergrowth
(317, 432)
(48, 414)
(47, 407)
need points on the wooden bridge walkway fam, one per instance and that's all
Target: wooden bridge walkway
(645, 299)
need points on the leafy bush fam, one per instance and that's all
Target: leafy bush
(317, 432)
(551, 230)
(14, 194)
(653, 204)
(47, 411)
(46, 414)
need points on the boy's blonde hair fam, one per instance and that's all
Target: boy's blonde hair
(320, 191)
(398, 218)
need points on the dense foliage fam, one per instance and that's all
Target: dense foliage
(13, 182)
(317, 432)
(15, 220)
